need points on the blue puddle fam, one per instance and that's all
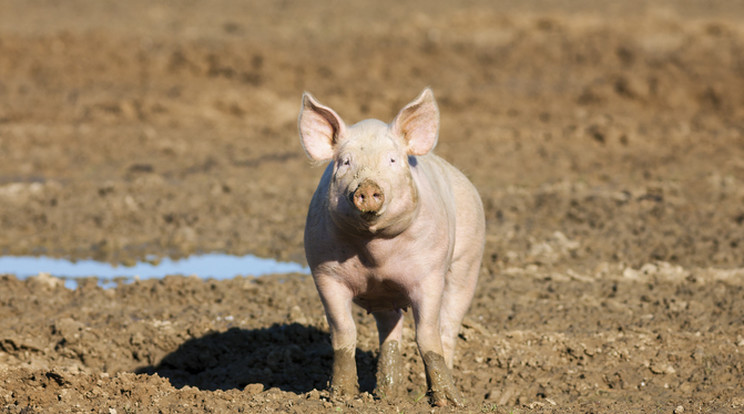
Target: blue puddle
(206, 266)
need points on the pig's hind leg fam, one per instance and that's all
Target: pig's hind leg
(389, 374)
(458, 293)
(462, 277)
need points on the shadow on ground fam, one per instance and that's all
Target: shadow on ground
(291, 357)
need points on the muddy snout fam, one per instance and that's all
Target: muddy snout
(368, 197)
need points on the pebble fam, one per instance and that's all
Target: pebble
(252, 389)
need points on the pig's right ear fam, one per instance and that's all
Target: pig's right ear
(320, 129)
(418, 124)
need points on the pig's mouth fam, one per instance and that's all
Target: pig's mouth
(366, 215)
(369, 216)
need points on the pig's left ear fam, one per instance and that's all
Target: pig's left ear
(418, 123)
(320, 129)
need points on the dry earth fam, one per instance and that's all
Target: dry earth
(606, 139)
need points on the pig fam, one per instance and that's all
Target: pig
(391, 226)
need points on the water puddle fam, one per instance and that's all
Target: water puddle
(207, 266)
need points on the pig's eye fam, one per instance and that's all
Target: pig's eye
(344, 162)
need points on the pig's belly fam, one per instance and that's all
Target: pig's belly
(383, 296)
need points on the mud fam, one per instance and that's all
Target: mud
(606, 140)
(389, 374)
(441, 383)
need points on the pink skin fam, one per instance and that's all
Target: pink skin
(391, 226)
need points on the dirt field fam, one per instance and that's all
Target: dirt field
(606, 140)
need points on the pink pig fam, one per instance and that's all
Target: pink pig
(391, 225)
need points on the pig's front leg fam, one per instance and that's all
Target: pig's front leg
(389, 370)
(426, 309)
(336, 299)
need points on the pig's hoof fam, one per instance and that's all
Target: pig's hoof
(439, 379)
(343, 397)
(343, 391)
(344, 379)
(447, 398)
(387, 392)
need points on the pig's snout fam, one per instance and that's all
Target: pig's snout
(368, 197)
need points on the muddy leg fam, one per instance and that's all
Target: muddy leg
(344, 379)
(389, 373)
(336, 300)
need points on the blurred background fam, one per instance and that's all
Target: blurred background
(142, 128)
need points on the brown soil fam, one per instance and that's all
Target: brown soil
(606, 139)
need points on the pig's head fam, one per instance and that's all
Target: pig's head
(372, 188)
